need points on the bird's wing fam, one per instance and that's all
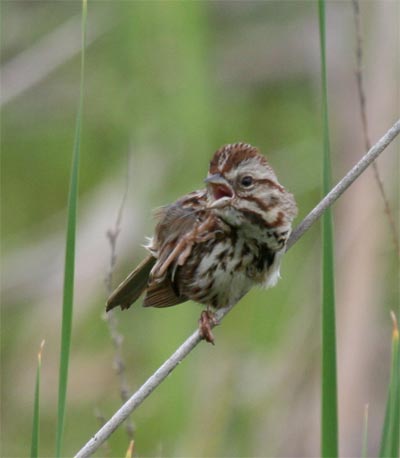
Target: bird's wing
(174, 239)
(171, 245)
(175, 233)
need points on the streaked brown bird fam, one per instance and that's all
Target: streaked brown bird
(212, 245)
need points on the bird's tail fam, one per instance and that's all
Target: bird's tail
(133, 286)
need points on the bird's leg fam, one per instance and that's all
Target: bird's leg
(207, 321)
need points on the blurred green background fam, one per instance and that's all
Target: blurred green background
(167, 83)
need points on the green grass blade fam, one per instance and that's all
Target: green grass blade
(390, 441)
(69, 268)
(36, 406)
(329, 420)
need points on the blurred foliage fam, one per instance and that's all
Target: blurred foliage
(149, 81)
(156, 86)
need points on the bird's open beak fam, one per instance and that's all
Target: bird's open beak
(219, 187)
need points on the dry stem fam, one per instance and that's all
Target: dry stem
(344, 183)
(364, 121)
(110, 318)
(172, 362)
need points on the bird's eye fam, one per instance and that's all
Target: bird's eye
(246, 181)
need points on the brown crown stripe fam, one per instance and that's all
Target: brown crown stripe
(236, 153)
(239, 155)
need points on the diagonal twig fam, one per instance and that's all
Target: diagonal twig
(364, 122)
(173, 361)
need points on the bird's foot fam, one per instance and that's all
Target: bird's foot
(207, 321)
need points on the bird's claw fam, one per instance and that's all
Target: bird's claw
(207, 321)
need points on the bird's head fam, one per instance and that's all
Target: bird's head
(242, 188)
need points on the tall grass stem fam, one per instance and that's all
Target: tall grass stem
(329, 415)
(69, 268)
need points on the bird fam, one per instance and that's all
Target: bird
(212, 245)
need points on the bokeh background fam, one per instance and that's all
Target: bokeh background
(166, 84)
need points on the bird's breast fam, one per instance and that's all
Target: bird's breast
(221, 271)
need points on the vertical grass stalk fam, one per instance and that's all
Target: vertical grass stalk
(390, 441)
(69, 269)
(36, 408)
(329, 420)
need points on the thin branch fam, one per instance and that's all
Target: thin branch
(110, 318)
(364, 121)
(173, 361)
(102, 420)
